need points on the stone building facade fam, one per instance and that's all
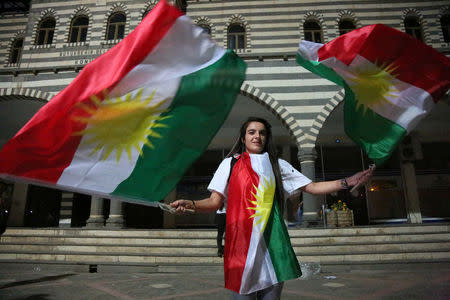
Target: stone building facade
(43, 49)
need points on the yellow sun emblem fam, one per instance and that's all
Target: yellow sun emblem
(264, 201)
(121, 123)
(372, 84)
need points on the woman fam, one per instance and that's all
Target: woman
(258, 255)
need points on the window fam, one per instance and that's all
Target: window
(346, 25)
(16, 51)
(236, 37)
(445, 24)
(413, 27)
(116, 26)
(313, 31)
(78, 29)
(205, 28)
(46, 30)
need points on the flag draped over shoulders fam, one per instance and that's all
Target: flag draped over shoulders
(258, 251)
(135, 118)
(391, 80)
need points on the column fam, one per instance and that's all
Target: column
(311, 203)
(96, 218)
(115, 215)
(411, 193)
(65, 212)
(18, 203)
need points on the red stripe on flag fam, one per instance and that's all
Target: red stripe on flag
(45, 146)
(239, 224)
(416, 63)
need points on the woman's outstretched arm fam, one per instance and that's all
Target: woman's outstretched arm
(326, 187)
(213, 203)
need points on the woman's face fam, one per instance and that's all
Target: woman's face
(255, 138)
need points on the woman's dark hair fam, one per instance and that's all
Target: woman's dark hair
(269, 147)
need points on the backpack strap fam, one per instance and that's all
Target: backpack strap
(232, 163)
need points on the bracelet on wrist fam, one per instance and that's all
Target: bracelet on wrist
(344, 184)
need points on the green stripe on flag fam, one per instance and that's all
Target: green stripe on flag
(377, 135)
(320, 69)
(278, 243)
(198, 110)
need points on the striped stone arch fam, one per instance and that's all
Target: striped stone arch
(347, 14)
(148, 7)
(116, 7)
(18, 35)
(80, 11)
(324, 114)
(422, 21)
(314, 16)
(50, 12)
(24, 94)
(278, 110)
(445, 10)
(238, 19)
(206, 21)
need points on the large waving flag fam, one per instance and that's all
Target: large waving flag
(391, 81)
(133, 121)
(261, 254)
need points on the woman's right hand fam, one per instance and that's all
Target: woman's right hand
(183, 206)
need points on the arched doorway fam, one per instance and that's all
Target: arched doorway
(194, 183)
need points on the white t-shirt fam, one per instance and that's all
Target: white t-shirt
(292, 179)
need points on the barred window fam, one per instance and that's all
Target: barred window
(116, 26)
(236, 37)
(345, 26)
(78, 29)
(45, 32)
(312, 31)
(413, 27)
(445, 24)
(16, 51)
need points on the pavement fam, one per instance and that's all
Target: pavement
(380, 281)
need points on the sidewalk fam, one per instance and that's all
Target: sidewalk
(382, 281)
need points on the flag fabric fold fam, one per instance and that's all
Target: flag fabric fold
(258, 251)
(134, 119)
(391, 81)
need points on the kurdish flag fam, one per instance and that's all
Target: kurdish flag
(133, 121)
(261, 253)
(391, 81)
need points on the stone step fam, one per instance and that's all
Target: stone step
(211, 250)
(211, 241)
(208, 233)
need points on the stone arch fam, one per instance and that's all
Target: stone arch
(148, 7)
(18, 35)
(206, 21)
(277, 109)
(313, 16)
(238, 19)
(7, 94)
(50, 12)
(413, 12)
(324, 114)
(347, 14)
(116, 7)
(442, 11)
(81, 11)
